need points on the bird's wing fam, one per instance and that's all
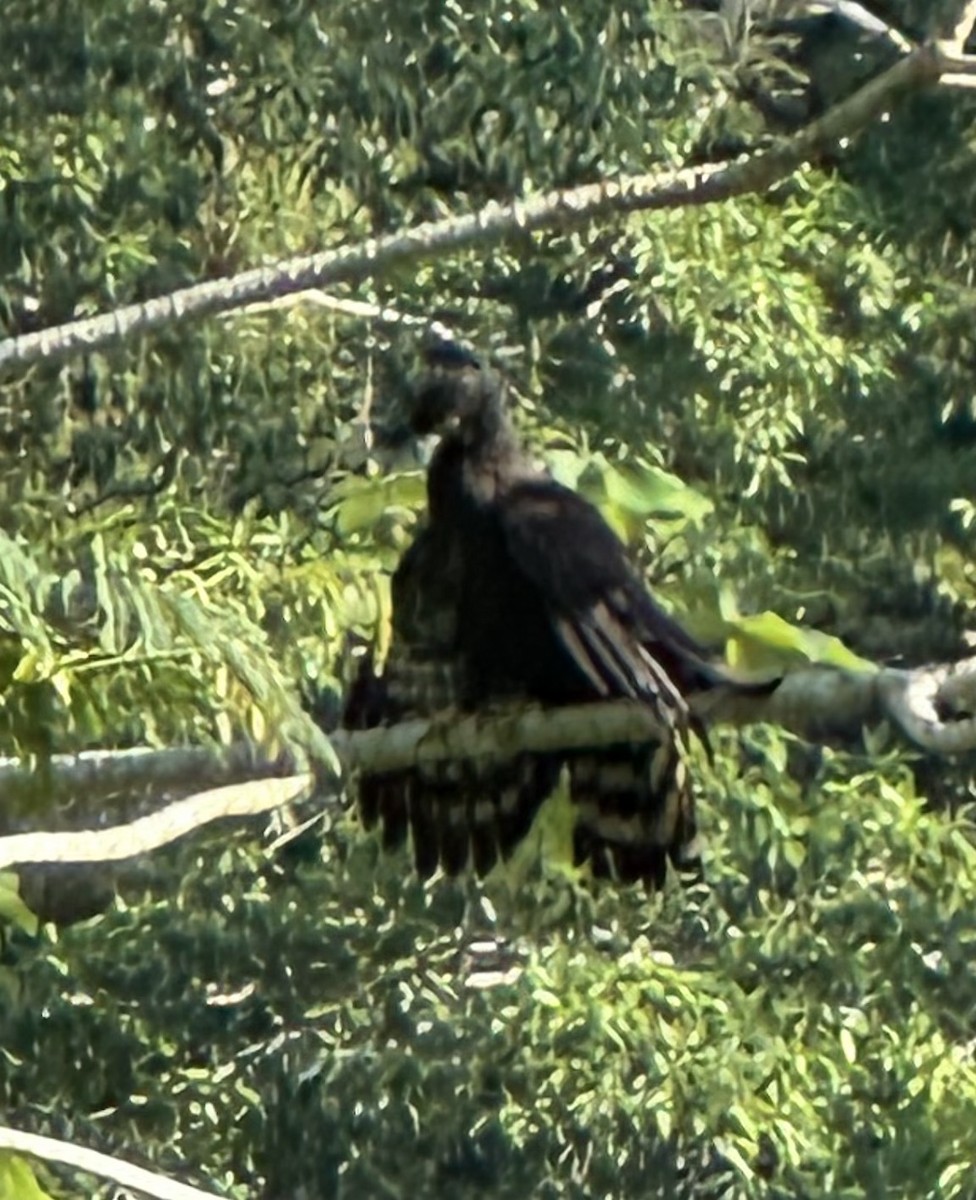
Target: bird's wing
(634, 804)
(455, 813)
(617, 634)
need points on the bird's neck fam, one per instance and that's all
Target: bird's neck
(487, 432)
(474, 463)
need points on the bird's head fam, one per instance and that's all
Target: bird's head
(456, 395)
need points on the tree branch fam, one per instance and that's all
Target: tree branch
(870, 23)
(932, 707)
(126, 1175)
(642, 193)
(98, 774)
(121, 842)
(960, 25)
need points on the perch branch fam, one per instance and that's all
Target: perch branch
(932, 707)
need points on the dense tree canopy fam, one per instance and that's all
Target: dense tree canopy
(771, 398)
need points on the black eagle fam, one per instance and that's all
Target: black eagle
(516, 588)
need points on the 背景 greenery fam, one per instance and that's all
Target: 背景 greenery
(308, 1022)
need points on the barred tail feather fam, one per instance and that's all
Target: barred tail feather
(476, 820)
(635, 813)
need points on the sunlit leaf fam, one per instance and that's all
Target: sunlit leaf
(12, 908)
(17, 1179)
(763, 641)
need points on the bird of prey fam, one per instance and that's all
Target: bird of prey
(516, 588)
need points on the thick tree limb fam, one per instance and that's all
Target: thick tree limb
(923, 67)
(932, 707)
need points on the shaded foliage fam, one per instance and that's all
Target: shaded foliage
(771, 399)
(804, 1013)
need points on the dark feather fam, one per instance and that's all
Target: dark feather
(518, 589)
(423, 829)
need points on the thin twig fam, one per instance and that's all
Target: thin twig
(963, 25)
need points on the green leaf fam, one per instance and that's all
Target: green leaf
(848, 1046)
(13, 910)
(17, 1180)
(649, 491)
(764, 641)
(362, 502)
(566, 466)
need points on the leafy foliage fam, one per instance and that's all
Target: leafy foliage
(771, 399)
(796, 1019)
